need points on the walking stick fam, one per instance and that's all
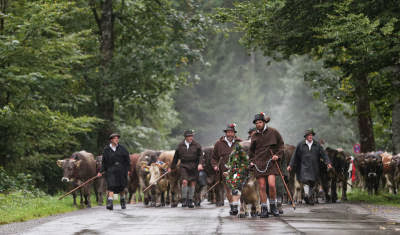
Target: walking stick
(80, 186)
(148, 187)
(284, 182)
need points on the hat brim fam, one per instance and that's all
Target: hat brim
(113, 136)
(229, 130)
(311, 133)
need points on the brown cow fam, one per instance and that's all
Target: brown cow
(80, 167)
(133, 180)
(389, 170)
(159, 190)
(210, 180)
(146, 158)
(173, 177)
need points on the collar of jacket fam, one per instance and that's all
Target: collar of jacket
(264, 130)
(236, 139)
(313, 142)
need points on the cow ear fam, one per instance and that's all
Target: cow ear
(78, 163)
(60, 163)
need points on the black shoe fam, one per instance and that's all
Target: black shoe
(264, 212)
(235, 210)
(123, 203)
(184, 202)
(190, 203)
(274, 209)
(109, 204)
(230, 212)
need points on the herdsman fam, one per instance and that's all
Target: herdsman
(265, 149)
(305, 161)
(219, 158)
(189, 152)
(115, 164)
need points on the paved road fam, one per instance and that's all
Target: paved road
(323, 219)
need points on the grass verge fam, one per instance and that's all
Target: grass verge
(383, 198)
(22, 206)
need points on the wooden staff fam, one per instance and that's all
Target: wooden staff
(80, 186)
(148, 187)
(284, 182)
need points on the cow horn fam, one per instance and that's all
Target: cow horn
(78, 163)
(60, 163)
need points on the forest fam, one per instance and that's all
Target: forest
(73, 72)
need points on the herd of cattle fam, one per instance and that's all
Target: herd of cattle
(374, 171)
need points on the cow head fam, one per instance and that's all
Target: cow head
(156, 170)
(70, 168)
(373, 165)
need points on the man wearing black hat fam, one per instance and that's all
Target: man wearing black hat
(305, 161)
(251, 132)
(220, 156)
(265, 149)
(189, 152)
(115, 164)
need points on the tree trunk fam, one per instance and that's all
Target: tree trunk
(105, 98)
(364, 119)
(3, 7)
(396, 127)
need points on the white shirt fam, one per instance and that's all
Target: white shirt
(113, 148)
(309, 144)
(187, 144)
(229, 143)
(265, 127)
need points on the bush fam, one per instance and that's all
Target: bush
(20, 182)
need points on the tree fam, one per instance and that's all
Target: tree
(356, 39)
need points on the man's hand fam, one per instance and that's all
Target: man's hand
(329, 166)
(129, 173)
(275, 157)
(169, 170)
(216, 168)
(289, 168)
(200, 167)
(99, 174)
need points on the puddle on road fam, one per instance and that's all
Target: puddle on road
(87, 232)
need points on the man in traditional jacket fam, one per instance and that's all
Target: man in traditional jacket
(190, 153)
(115, 164)
(220, 156)
(265, 149)
(305, 161)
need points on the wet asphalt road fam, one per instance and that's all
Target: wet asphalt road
(341, 218)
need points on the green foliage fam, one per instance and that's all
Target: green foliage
(354, 39)
(357, 195)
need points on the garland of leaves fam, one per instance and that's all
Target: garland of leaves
(237, 164)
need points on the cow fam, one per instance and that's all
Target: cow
(396, 163)
(329, 179)
(173, 178)
(159, 190)
(371, 169)
(133, 179)
(211, 178)
(100, 184)
(146, 158)
(80, 167)
(389, 168)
